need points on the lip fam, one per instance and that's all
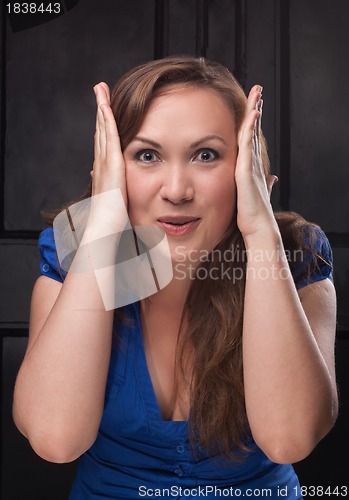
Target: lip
(188, 224)
(178, 219)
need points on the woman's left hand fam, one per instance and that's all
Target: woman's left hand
(254, 210)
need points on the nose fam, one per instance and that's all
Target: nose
(177, 186)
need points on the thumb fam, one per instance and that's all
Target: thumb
(272, 179)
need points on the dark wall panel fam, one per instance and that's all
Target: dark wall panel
(51, 70)
(319, 39)
(182, 27)
(261, 66)
(18, 272)
(223, 44)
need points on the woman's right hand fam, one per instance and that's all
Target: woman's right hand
(109, 166)
(108, 207)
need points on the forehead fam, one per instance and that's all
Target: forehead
(190, 108)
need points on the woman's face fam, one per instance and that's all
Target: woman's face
(180, 169)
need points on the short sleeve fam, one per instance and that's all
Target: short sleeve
(49, 263)
(317, 259)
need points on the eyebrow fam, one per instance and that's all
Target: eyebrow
(193, 145)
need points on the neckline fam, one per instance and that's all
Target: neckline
(146, 385)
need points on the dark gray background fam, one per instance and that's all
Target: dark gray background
(297, 49)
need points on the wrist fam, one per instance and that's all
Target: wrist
(107, 216)
(266, 237)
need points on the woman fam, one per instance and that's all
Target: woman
(224, 377)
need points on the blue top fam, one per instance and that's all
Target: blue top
(137, 454)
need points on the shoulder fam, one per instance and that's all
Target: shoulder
(307, 247)
(316, 257)
(49, 262)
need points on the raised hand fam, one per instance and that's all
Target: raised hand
(109, 166)
(254, 211)
(109, 194)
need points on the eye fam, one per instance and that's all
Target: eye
(146, 156)
(207, 155)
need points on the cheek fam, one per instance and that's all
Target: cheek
(222, 183)
(221, 212)
(136, 184)
(134, 193)
(222, 195)
(132, 181)
(141, 192)
(226, 207)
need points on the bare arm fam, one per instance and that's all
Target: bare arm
(288, 352)
(288, 338)
(59, 392)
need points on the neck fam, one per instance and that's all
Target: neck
(174, 294)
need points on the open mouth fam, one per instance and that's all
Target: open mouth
(178, 226)
(178, 220)
(177, 223)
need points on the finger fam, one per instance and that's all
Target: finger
(255, 141)
(271, 180)
(106, 89)
(112, 139)
(102, 93)
(253, 97)
(101, 133)
(99, 120)
(258, 128)
(260, 109)
(97, 149)
(247, 145)
(248, 128)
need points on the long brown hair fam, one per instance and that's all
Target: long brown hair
(213, 308)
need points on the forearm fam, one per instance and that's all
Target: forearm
(288, 388)
(59, 393)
